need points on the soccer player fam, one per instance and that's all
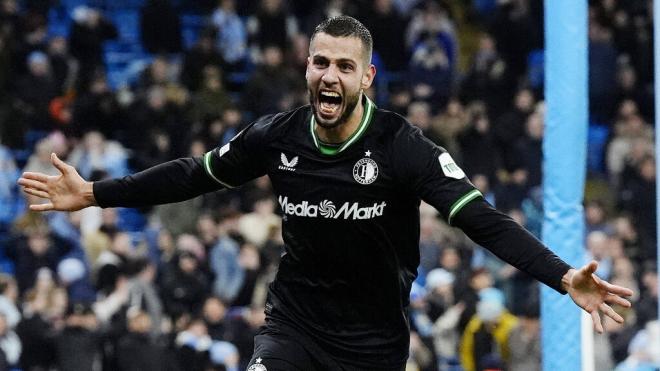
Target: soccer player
(349, 178)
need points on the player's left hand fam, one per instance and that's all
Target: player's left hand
(594, 294)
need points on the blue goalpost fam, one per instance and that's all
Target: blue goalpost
(564, 168)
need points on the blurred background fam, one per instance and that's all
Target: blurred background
(114, 87)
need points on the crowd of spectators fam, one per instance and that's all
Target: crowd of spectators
(183, 286)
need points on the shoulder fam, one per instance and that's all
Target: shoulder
(396, 127)
(280, 123)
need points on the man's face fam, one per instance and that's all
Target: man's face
(337, 72)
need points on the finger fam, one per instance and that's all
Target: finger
(34, 192)
(35, 176)
(608, 311)
(595, 317)
(591, 267)
(59, 164)
(27, 183)
(614, 299)
(615, 289)
(42, 207)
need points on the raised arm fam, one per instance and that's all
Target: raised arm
(171, 181)
(513, 244)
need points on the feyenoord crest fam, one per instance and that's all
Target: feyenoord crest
(365, 171)
(257, 366)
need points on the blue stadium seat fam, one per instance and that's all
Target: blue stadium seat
(597, 136)
(535, 71)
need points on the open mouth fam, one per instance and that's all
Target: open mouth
(329, 103)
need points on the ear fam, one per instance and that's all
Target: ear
(308, 61)
(368, 77)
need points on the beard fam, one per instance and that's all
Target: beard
(350, 102)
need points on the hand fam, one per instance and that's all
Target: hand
(65, 192)
(593, 294)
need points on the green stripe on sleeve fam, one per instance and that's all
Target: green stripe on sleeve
(458, 205)
(207, 167)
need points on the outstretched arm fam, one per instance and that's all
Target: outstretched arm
(513, 244)
(173, 181)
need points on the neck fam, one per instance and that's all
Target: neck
(340, 133)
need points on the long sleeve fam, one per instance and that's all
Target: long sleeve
(510, 242)
(172, 181)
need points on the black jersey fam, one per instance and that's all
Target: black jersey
(350, 222)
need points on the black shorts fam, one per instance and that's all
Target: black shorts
(276, 350)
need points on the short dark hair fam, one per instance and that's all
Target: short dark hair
(345, 26)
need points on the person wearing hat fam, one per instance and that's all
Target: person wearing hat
(485, 340)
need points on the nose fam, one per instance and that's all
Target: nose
(330, 76)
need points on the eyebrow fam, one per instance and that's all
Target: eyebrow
(319, 58)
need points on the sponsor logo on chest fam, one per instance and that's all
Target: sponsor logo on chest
(327, 209)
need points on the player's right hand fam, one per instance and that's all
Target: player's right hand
(65, 192)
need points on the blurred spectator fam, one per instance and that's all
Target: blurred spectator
(647, 307)
(597, 249)
(223, 260)
(630, 88)
(595, 217)
(10, 345)
(256, 226)
(78, 344)
(137, 350)
(525, 341)
(488, 77)
(111, 264)
(160, 27)
(98, 110)
(97, 154)
(430, 73)
(273, 86)
(602, 72)
(429, 240)
(184, 285)
(214, 312)
(211, 100)
(231, 34)
(32, 249)
(510, 126)
(485, 341)
(40, 321)
(193, 346)
(64, 66)
(386, 26)
(8, 300)
(9, 195)
(242, 327)
(529, 149)
(516, 34)
(449, 125)
(271, 26)
(644, 350)
(225, 355)
(250, 261)
(204, 56)
(479, 153)
(639, 193)
(143, 295)
(480, 279)
(35, 90)
(88, 33)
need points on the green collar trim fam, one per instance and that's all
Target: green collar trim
(369, 108)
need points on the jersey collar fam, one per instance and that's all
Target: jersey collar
(369, 108)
